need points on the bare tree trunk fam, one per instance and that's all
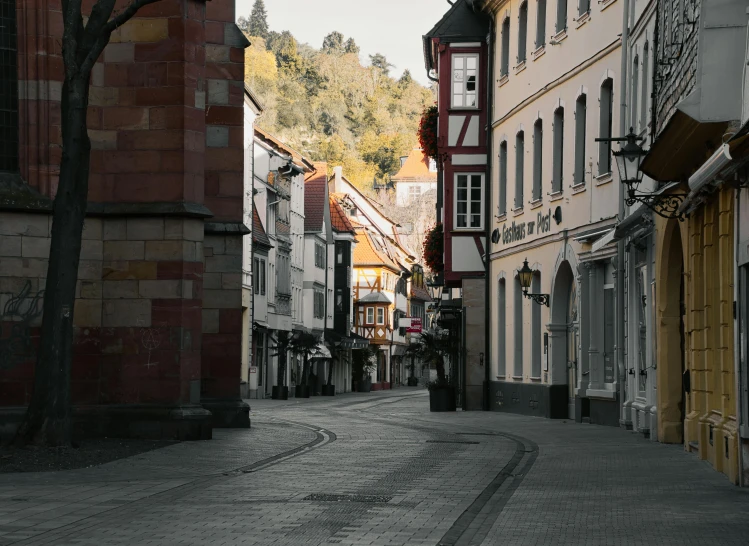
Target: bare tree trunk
(47, 420)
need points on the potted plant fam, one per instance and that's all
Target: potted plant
(364, 363)
(328, 389)
(433, 248)
(303, 344)
(433, 350)
(428, 131)
(281, 391)
(413, 351)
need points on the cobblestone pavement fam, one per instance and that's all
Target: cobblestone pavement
(379, 469)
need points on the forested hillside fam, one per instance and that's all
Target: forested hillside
(327, 105)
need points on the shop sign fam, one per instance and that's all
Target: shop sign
(518, 231)
(415, 327)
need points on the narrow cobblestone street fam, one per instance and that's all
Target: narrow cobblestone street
(379, 468)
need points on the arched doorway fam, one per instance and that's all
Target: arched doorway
(563, 330)
(671, 341)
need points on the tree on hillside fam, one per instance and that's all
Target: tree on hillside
(258, 23)
(333, 43)
(378, 60)
(84, 36)
(406, 79)
(351, 47)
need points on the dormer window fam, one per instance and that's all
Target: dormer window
(465, 81)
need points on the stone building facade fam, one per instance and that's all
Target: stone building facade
(157, 348)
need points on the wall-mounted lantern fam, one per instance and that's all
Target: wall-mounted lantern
(525, 274)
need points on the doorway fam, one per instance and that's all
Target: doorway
(564, 335)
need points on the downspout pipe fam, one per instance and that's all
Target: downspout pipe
(488, 215)
(620, 251)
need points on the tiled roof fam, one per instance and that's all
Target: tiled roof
(365, 253)
(375, 297)
(276, 143)
(258, 232)
(338, 218)
(415, 169)
(314, 200)
(419, 293)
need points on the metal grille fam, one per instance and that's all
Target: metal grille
(8, 87)
(325, 497)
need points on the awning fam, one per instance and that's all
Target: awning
(352, 341)
(399, 350)
(320, 351)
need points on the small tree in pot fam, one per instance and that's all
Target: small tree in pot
(303, 344)
(433, 349)
(364, 362)
(280, 390)
(413, 351)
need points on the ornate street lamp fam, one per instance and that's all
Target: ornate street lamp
(629, 160)
(525, 274)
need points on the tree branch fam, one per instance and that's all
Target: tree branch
(71, 16)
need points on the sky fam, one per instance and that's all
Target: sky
(391, 27)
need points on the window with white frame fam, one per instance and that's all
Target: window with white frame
(465, 81)
(469, 201)
(580, 130)
(380, 315)
(319, 256)
(522, 32)
(503, 178)
(541, 23)
(606, 119)
(538, 160)
(414, 192)
(505, 66)
(519, 168)
(370, 315)
(558, 152)
(259, 273)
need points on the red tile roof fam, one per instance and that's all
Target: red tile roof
(314, 198)
(415, 169)
(338, 218)
(258, 233)
(365, 253)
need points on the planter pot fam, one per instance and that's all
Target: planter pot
(328, 390)
(279, 393)
(413, 381)
(304, 392)
(442, 399)
(365, 385)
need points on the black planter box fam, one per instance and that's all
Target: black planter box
(442, 399)
(413, 381)
(328, 390)
(301, 391)
(365, 385)
(280, 393)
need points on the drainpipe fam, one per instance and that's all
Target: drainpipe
(737, 319)
(488, 216)
(620, 244)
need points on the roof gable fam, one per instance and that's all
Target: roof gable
(415, 169)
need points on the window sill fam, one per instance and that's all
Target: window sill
(605, 3)
(500, 377)
(503, 79)
(559, 36)
(501, 217)
(584, 18)
(535, 379)
(519, 67)
(578, 188)
(556, 196)
(539, 52)
(536, 203)
(460, 109)
(517, 212)
(517, 377)
(462, 229)
(604, 178)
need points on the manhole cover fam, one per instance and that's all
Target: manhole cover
(450, 442)
(324, 497)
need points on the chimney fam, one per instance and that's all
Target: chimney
(338, 175)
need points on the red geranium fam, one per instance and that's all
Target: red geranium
(433, 248)
(428, 131)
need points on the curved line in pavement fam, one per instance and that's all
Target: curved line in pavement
(323, 437)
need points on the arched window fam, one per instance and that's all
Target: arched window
(541, 23)
(561, 15)
(580, 125)
(522, 31)
(645, 89)
(519, 168)
(505, 68)
(502, 328)
(538, 158)
(536, 329)
(634, 111)
(518, 341)
(8, 87)
(605, 123)
(503, 177)
(558, 155)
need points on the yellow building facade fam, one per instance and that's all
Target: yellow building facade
(695, 346)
